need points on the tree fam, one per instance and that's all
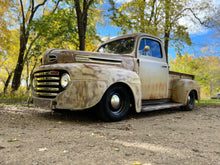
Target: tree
(157, 17)
(60, 29)
(27, 16)
(82, 15)
(184, 64)
(5, 24)
(8, 55)
(26, 20)
(206, 69)
(209, 74)
(82, 9)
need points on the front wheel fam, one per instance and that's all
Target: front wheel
(190, 102)
(115, 103)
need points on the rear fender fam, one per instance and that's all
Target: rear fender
(181, 89)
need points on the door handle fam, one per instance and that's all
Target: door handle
(164, 66)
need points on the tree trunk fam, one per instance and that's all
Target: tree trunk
(19, 67)
(166, 43)
(81, 33)
(7, 82)
(167, 28)
(82, 21)
(27, 77)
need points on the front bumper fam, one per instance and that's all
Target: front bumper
(43, 102)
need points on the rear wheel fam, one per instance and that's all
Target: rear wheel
(190, 102)
(115, 103)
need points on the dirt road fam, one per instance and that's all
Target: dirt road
(34, 136)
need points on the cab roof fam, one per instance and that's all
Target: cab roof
(136, 35)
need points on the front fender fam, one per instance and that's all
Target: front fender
(181, 89)
(130, 78)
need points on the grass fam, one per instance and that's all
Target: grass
(14, 100)
(208, 102)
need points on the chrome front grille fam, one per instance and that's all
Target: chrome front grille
(47, 84)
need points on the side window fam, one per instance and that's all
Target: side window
(155, 49)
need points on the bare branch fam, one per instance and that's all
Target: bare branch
(152, 13)
(56, 6)
(202, 23)
(39, 5)
(78, 10)
(86, 6)
(34, 9)
(195, 16)
(29, 8)
(23, 17)
(29, 48)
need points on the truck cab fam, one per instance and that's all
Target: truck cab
(127, 71)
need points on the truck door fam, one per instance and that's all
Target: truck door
(153, 69)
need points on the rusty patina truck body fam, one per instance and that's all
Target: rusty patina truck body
(128, 71)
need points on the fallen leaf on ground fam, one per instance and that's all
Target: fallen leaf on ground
(136, 163)
(42, 149)
(12, 140)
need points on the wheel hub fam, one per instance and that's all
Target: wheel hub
(115, 101)
(188, 99)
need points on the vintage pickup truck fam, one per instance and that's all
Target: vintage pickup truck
(127, 72)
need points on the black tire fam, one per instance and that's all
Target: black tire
(115, 104)
(190, 102)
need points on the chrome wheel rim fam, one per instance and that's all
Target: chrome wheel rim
(115, 101)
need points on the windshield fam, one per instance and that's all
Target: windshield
(121, 46)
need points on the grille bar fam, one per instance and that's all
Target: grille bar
(48, 84)
(46, 73)
(47, 89)
(44, 94)
(47, 78)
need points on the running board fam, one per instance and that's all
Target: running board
(160, 106)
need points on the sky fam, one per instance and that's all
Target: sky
(201, 37)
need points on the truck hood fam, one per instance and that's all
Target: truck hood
(54, 56)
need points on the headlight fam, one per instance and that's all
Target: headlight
(65, 79)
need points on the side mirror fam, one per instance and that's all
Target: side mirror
(146, 48)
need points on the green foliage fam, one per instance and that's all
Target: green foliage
(21, 96)
(56, 29)
(206, 69)
(59, 29)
